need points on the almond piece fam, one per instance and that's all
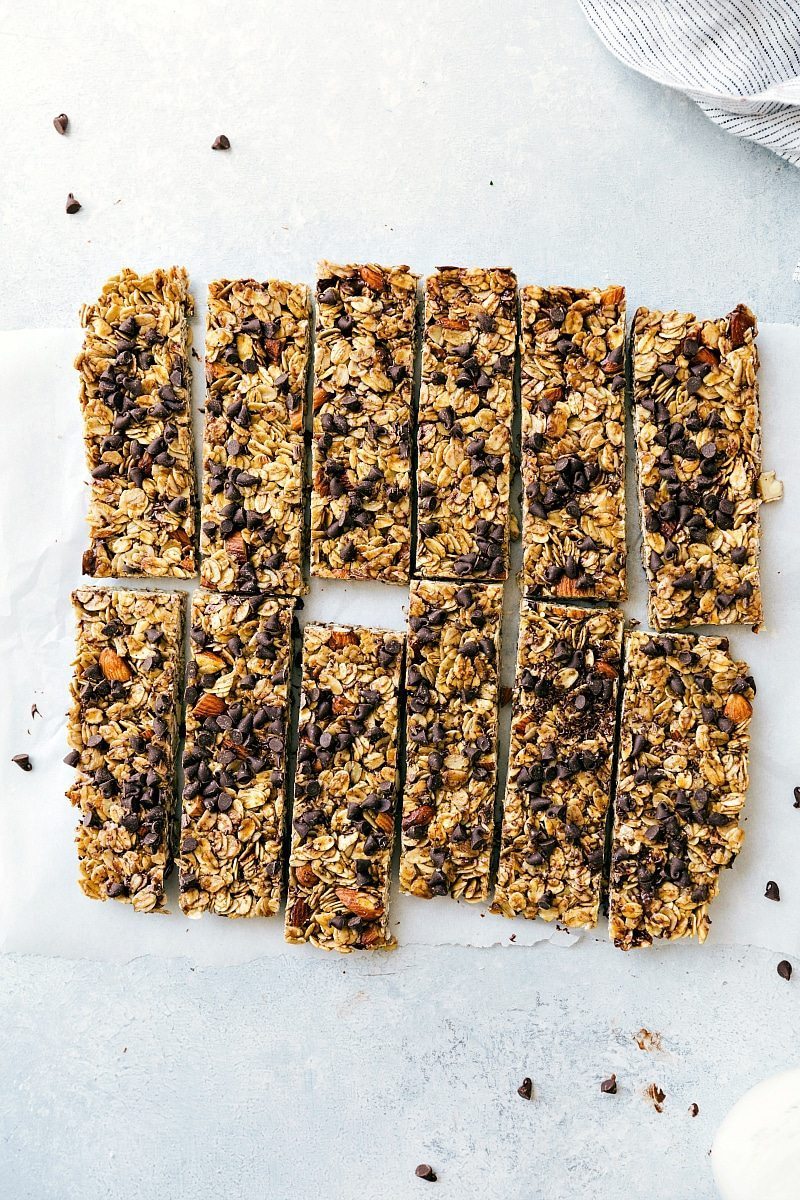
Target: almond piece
(453, 323)
(306, 875)
(418, 816)
(339, 638)
(739, 321)
(359, 903)
(296, 419)
(612, 296)
(114, 667)
(209, 662)
(236, 547)
(738, 708)
(384, 821)
(209, 705)
(606, 669)
(370, 936)
(299, 914)
(273, 349)
(566, 586)
(372, 277)
(320, 396)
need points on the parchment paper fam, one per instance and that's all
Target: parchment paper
(43, 498)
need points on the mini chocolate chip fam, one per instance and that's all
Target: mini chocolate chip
(796, 798)
(23, 762)
(773, 892)
(221, 143)
(785, 969)
(694, 1109)
(609, 1086)
(72, 205)
(61, 123)
(525, 1089)
(426, 1172)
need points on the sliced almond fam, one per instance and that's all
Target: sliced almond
(359, 903)
(209, 663)
(770, 488)
(209, 705)
(738, 708)
(114, 667)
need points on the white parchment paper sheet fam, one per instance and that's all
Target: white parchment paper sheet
(42, 536)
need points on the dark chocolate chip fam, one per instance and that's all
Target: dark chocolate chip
(525, 1089)
(773, 892)
(785, 969)
(426, 1172)
(72, 205)
(221, 143)
(61, 123)
(609, 1086)
(23, 762)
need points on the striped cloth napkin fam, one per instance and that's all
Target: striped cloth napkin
(738, 59)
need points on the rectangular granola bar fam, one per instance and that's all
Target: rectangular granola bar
(681, 784)
(361, 451)
(135, 399)
(452, 682)
(464, 429)
(573, 442)
(345, 788)
(257, 357)
(560, 761)
(123, 730)
(698, 447)
(234, 761)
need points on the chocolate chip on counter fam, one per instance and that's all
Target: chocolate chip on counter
(694, 1109)
(525, 1089)
(426, 1172)
(23, 762)
(785, 969)
(221, 143)
(61, 123)
(72, 205)
(773, 892)
(609, 1086)
(796, 798)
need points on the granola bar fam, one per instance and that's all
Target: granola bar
(452, 667)
(135, 399)
(464, 431)
(361, 452)
(345, 789)
(698, 445)
(257, 356)
(234, 762)
(560, 760)
(123, 730)
(681, 784)
(573, 442)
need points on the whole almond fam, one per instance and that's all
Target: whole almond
(360, 903)
(384, 821)
(306, 875)
(606, 669)
(299, 914)
(114, 667)
(236, 547)
(419, 816)
(738, 708)
(209, 705)
(372, 277)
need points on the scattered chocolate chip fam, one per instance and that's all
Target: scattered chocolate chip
(221, 143)
(35, 711)
(72, 205)
(23, 762)
(796, 798)
(694, 1109)
(773, 892)
(657, 1095)
(61, 123)
(609, 1086)
(785, 969)
(525, 1089)
(426, 1172)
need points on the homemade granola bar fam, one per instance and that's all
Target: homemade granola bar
(573, 442)
(681, 784)
(464, 430)
(452, 668)
(257, 356)
(698, 445)
(135, 399)
(345, 788)
(361, 451)
(559, 774)
(234, 761)
(123, 730)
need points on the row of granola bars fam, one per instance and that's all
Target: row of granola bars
(681, 774)
(696, 423)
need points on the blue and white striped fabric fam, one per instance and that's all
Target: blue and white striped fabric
(738, 59)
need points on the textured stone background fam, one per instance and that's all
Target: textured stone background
(456, 132)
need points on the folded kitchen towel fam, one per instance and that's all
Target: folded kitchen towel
(738, 59)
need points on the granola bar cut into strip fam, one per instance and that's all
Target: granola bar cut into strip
(452, 683)
(560, 761)
(345, 788)
(123, 730)
(234, 761)
(361, 451)
(681, 784)
(257, 357)
(464, 429)
(135, 399)
(573, 442)
(698, 448)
